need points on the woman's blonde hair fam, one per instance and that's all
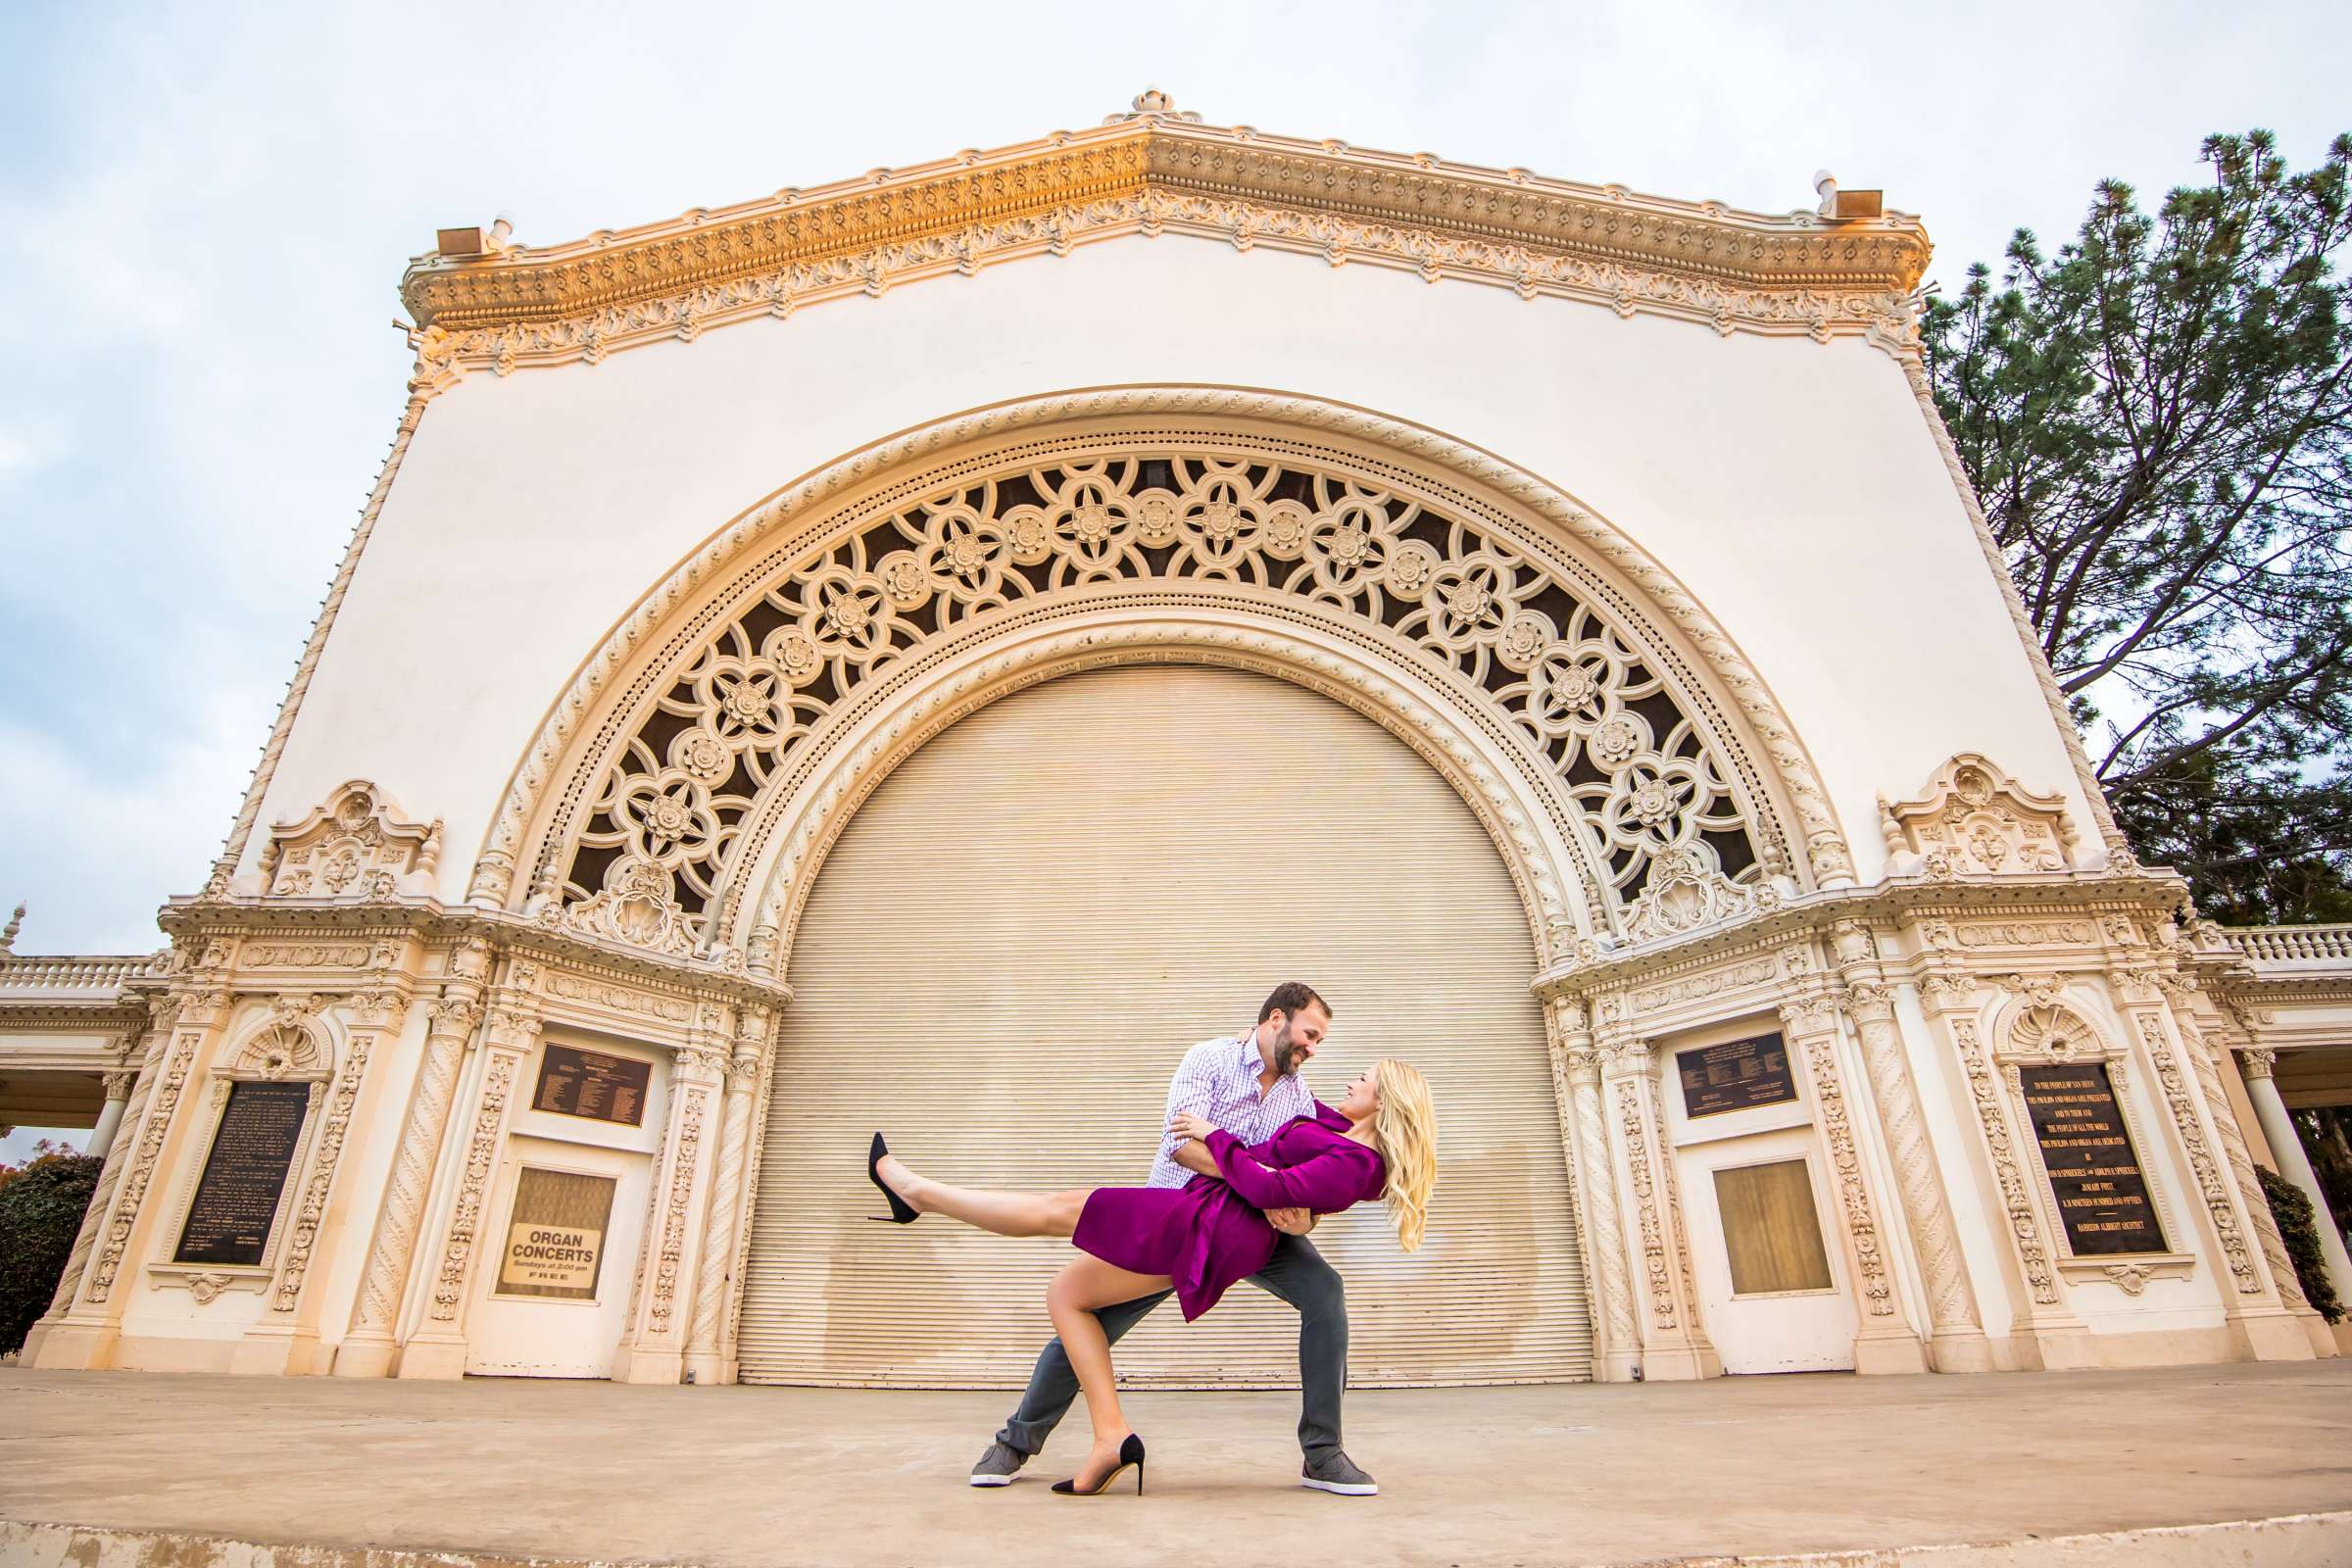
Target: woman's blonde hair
(1405, 1127)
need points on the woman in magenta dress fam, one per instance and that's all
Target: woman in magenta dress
(1379, 1141)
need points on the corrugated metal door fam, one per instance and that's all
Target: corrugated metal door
(1023, 930)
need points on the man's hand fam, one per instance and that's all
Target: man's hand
(1185, 1125)
(1291, 1221)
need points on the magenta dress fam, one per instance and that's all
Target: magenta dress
(1208, 1233)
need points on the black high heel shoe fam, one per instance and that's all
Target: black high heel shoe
(1131, 1452)
(901, 1212)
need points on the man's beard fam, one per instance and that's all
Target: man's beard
(1286, 1053)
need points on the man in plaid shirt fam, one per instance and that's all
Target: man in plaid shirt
(1249, 1085)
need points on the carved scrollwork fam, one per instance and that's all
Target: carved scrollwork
(354, 846)
(1686, 893)
(1975, 820)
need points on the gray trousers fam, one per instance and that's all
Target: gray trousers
(1298, 1274)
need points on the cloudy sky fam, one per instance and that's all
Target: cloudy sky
(203, 213)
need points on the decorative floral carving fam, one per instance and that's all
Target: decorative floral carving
(142, 1170)
(2180, 1100)
(673, 1219)
(1632, 1120)
(1975, 820)
(735, 550)
(307, 954)
(2025, 1226)
(1861, 1219)
(288, 1045)
(355, 846)
(638, 904)
(2128, 1278)
(617, 999)
(661, 833)
(308, 1216)
(1706, 983)
(1686, 892)
(482, 1155)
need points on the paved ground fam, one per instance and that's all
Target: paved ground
(1582, 1474)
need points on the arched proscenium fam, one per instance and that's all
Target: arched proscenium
(1300, 509)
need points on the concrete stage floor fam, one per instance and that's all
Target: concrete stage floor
(1578, 1474)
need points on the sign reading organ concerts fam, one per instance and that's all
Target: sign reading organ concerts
(236, 1197)
(555, 1236)
(2102, 1196)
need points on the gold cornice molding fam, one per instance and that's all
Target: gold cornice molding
(1152, 173)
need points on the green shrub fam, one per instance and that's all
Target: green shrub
(41, 1202)
(2299, 1228)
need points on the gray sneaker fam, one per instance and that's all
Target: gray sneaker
(1334, 1472)
(999, 1466)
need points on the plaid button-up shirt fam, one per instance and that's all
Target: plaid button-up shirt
(1218, 1080)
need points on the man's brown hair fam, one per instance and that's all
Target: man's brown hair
(1290, 998)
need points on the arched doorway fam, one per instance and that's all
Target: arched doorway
(1025, 926)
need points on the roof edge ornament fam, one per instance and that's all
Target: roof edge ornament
(1155, 170)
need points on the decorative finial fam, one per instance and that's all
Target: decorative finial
(8, 937)
(1151, 100)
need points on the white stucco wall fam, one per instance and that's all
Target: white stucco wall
(1792, 486)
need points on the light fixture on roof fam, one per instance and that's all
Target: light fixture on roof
(465, 244)
(1844, 206)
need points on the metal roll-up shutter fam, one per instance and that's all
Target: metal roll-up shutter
(1019, 935)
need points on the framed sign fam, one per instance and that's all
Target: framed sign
(1739, 1075)
(556, 1235)
(244, 1174)
(592, 1084)
(2102, 1195)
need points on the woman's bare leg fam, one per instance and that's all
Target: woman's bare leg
(1084, 1286)
(1006, 1213)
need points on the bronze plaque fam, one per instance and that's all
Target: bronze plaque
(2102, 1196)
(1771, 1230)
(591, 1084)
(1736, 1076)
(236, 1197)
(556, 1235)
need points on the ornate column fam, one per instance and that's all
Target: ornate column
(1883, 1342)
(84, 1337)
(437, 1349)
(653, 1345)
(2255, 1065)
(109, 1114)
(1674, 1343)
(368, 1348)
(110, 1176)
(703, 1359)
(1957, 1341)
(2254, 1310)
(1593, 1178)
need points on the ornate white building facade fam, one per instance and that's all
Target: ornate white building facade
(919, 652)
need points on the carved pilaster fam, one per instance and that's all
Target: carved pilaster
(2199, 1050)
(1958, 1343)
(367, 1350)
(509, 1030)
(110, 1176)
(743, 1074)
(1674, 1343)
(1584, 1140)
(1883, 1341)
(653, 1346)
(2142, 1001)
(2256, 1309)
